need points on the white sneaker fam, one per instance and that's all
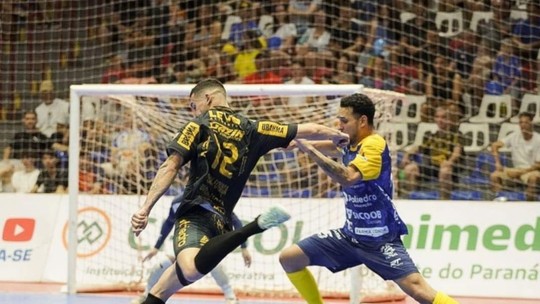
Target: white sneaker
(231, 301)
(273, 216)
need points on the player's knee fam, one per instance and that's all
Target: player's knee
(187, 274)
(291, 259)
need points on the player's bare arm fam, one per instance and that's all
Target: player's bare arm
(340, 173)
(313, 131)
(326, 147)
(163, 180)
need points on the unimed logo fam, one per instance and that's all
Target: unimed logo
(18, 229)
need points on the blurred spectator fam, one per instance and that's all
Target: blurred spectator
(439, 157)
(50, 110)
(203, 31)
(480, 72)
(115, 70)
(51, 179)
(387, 29)
(346, 34)
(366, 18)
(59, 140)
(90, 176)
(344, 71)
(414, 38)
(244, 31)
(526, 36)
(443, 88)
(24, 181)
(129, 144)
(264, 73)
(525, 152)
(300, 12)
(497, 28)
(313, 45)
(378, 75)
(244, 60)
(465, 53)
(299, 77)
(506, 72)
(284, 34)
(29, 140)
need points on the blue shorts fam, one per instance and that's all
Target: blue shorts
(336, 251)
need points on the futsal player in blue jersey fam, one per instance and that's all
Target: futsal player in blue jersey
(371, 234)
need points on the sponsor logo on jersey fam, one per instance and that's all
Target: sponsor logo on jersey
(188, 135)
(272, 129)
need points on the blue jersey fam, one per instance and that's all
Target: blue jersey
(370, 213)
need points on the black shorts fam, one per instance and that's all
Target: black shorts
(195, 227)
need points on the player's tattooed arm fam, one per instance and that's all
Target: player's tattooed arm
(164, 178)
(336, 171)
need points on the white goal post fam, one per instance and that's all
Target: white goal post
(383, 99)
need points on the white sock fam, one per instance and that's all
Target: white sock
(222, 279)
(156, 272)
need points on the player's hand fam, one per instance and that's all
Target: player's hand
(139, 220)
(150, 255)
(247, 257)
(341, 140)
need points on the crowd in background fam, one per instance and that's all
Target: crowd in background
(453, 52)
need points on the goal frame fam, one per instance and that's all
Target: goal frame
(77, 91)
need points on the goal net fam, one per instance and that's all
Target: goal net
(123, 131)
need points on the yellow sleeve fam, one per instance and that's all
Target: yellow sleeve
(369, 158)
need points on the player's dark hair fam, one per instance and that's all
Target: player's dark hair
(527, 114)
(361, 105)
(207, 84)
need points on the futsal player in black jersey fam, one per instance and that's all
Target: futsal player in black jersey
(222, 147)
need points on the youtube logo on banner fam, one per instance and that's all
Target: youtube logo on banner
(18, 229)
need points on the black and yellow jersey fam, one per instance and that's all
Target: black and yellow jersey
(223, 147)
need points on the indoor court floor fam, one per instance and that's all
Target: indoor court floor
(22, 293)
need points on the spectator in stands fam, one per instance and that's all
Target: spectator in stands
(52, 179)
(366, 16)
(264, 73)
(115, 71)
(480, 72)
(440, 157)
(59, 140)
(50, 110)
(299, 77)
(506, 72)
(388, 28)
(204, 31)
(24, 181)
(244, 60)
(90, 175)
(284, 34)
(300, 12)
(498, 28)
(526, 36)
(414, 38)
(346, 33)
(344, 73)
(378, 75)
(30, 139)
(313, 45)
(248, 24)
(464, 53)
(443, 88)
(525, 152)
